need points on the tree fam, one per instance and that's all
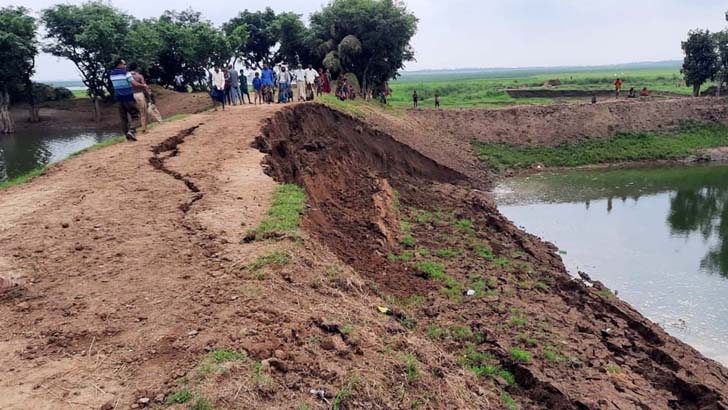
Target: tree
(294, 40)
(91, 35)
(370, 38)
(262, 36)
(18, 49)
(701, 59)
(143, 44)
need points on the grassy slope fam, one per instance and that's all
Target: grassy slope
(673, 144)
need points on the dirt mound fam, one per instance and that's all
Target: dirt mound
(565, 344)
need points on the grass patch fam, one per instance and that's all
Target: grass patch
(485, 365)
(521, 355)
(501, 262)
(21, 179)
(284, 215)
(182, 396)
(423, 252)
(432, 270)
(437, 333)
(508, 402)
(278, 258)
(518, 318)
(403, 257)
(484, 251)
(407, 241)
(411, 371)
(656, 145)
(221, 356)
(447, 253)
(344, 393)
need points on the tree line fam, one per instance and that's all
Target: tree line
(706, 58)
(368, 38)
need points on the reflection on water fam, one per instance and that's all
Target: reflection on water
(658, 236)
(25, 151)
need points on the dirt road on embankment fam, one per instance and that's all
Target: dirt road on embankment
(132, 293)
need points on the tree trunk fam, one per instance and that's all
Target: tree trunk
(696, 90)
(33, 109)
(97, 109)
(7, 126)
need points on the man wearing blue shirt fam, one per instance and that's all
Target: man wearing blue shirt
(269, 80)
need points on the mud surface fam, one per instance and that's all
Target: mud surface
(621, 360)
(128, 284)
(585, 94)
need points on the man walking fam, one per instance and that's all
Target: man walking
(284, 79)
(244, 87)
(258, 89)
(218, 88)
(123, 82)
(234, 86)
(300, 83)
(139, 94)
(310, 76)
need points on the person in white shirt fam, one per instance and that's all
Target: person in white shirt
(310, 76)
(300, 83)
(218, 88)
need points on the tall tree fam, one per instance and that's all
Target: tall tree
(701, 59)
(370, 38)
(18, 49)
(721, 44)
(293, 40)
(91, 36)
(262, 36)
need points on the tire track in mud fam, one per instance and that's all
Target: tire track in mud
(171, 145)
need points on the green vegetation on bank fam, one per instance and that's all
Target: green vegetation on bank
(284, 215)
(656, 145)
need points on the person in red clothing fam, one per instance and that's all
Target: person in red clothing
(617, 87)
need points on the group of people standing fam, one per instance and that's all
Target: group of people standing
(134, 97)
(269, 85)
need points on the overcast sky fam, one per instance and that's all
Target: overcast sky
(488, 33)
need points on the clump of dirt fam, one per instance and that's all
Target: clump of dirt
(479, 294)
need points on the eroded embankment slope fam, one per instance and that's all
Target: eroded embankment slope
(420, 233)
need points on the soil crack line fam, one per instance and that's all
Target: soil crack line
(170, 146)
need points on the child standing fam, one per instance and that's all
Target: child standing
(415, 98)
(257, 86)
(437, 100)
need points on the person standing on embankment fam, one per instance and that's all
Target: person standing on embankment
(617, 87)
(139, 94)
(218, 88)
(123, 82)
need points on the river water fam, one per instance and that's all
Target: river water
(24, 151)
(657, 236)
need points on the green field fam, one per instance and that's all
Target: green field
(460, 90)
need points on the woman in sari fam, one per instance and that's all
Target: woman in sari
(325, 86)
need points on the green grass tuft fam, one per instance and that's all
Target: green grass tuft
(521, 355)
(278, 258)
(284, 215)
(182, 396)
(508, 401)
